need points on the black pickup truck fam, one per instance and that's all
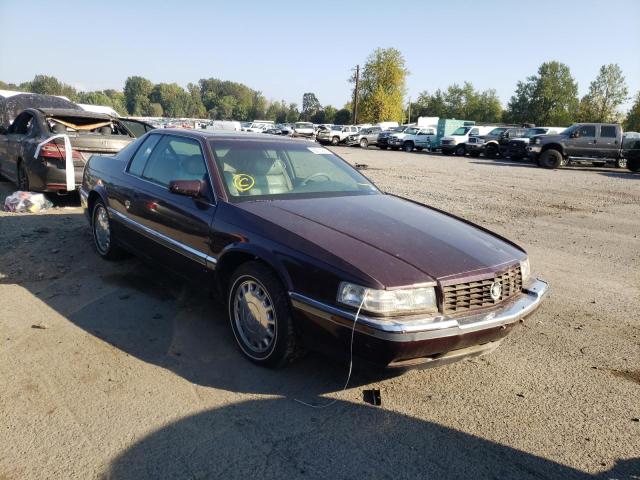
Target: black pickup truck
(594, 143)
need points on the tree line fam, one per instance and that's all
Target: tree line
(550, 97)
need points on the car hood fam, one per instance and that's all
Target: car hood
(392, 240)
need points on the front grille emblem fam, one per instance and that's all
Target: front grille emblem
(496, 291)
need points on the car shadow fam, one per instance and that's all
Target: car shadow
(148, 312)
(275, 439)
(503, 162)
(626, 175)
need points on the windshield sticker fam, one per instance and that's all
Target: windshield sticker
(243, 182)
(319, 150)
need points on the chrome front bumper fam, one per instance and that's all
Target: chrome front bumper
(418, 328)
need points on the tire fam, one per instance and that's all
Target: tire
(633, 165)
(491, 151)
(335, 141)
(550, 159)
(22, 177)
(621, 163)
(408, 147)
(364, 143)
(461, 151)
(104, 240)
(254, 290)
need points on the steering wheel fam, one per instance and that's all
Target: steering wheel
(317, 174)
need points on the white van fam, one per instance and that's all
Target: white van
(457, 141)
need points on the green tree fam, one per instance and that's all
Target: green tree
(382, 86)
(606, 93)
(342, 117)
(548, 98)
(632, 122)
(136, 94)
(47, 85)
(172, 97)
(153, 110)
(310, 106)
(195, 107)
(292, 113)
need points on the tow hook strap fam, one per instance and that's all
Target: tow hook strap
(68, 163)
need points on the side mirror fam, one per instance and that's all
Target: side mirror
(189, 188)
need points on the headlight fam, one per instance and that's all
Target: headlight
(525, 270)
(422, 299)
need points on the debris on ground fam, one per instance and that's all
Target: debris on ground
(26, 202)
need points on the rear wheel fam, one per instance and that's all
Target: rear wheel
(408, 147)
(103, 236)
(621, 163)
(550, 159)
(364, 143)
(22, 178)
(461, 150)
(260, 315)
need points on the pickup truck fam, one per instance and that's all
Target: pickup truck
(494, 143)
(595, 143)
(457, 141)
(413, 138)
(336, 135)
(517, 147)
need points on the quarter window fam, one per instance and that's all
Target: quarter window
(142, 155)
(608, 131)
(175, 158)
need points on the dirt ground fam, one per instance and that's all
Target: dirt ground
(118, 370)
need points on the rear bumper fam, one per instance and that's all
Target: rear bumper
(409, 342)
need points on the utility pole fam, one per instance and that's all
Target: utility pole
(355, 96)
(409, 121)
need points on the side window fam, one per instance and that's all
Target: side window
(474, 131)
(142, 155)
(175, 158)
(608, 131)
(587, 130)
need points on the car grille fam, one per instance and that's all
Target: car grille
(463, 297)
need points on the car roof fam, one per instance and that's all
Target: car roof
(231, 135)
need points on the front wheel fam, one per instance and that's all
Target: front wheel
(408, 147)
(461, 151)
(335, 141)
(364, 143)
(491, 151)
(260, 315)
(550, 159)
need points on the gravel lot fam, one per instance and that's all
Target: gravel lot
(122, 371)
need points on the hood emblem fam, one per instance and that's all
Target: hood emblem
(496, 291)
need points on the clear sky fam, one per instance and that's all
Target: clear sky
(286, 48)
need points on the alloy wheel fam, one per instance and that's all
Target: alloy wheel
(101, 229)
(254, 316)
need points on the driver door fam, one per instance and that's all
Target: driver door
(173, 228)
(585, 144)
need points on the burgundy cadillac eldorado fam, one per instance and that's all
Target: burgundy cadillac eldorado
(306, 252)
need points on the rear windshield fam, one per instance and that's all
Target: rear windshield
(85, 125)
(254, 169)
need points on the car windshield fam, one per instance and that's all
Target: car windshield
(254, 170)
(398, 129)
(461, 131)
(411, 131)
